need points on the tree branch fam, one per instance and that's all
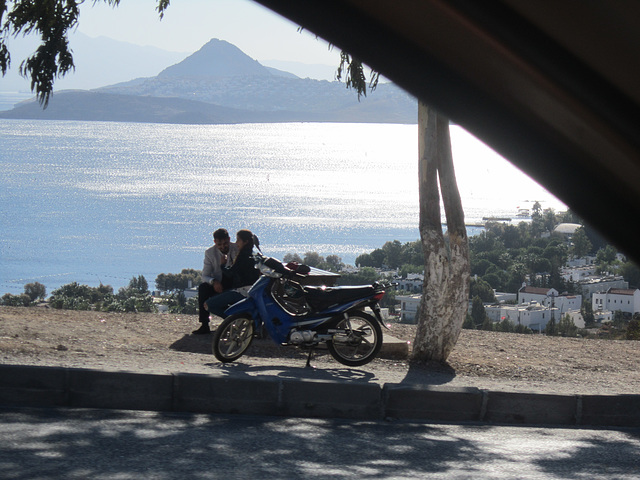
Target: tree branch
(52, 20)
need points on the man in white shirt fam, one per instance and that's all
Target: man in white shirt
(222, 252)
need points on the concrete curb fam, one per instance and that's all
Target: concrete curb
(34, 386)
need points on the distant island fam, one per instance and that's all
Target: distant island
(219, 84)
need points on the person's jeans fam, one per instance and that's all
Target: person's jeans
(220, 302)
(205, 292)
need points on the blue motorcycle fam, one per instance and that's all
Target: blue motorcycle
(303, 316)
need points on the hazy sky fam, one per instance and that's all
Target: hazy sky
(189, 24)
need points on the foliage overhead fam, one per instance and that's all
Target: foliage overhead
(51, 20)
(354, 76)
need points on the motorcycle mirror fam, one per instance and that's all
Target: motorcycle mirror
(256, 242)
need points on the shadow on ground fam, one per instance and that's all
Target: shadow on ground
(350, 374)
(431, 373)
(193, 344)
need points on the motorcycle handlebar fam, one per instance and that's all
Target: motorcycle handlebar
(275, 265)
(291, 270)
(302, 270)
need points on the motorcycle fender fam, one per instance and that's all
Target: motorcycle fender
(359, 305)
(245, 305)
(375, 308)
(376, 313)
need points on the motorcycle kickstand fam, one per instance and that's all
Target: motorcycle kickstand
(308, 365)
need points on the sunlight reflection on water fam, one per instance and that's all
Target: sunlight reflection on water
(120, 199)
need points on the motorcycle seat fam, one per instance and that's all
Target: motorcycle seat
(320, 298)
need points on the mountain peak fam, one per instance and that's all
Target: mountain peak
(216, 58)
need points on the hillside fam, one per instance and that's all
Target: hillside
(220, 84)
(216, 58)
(109, 107)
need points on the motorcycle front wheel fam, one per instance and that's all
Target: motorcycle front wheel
(233, 337)
(359, 340)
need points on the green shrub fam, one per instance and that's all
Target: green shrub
(35, 291)
(633, 330)
(22, 300)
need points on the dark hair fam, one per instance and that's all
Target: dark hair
(220, 234)
(246, 236)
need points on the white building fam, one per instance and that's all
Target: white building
(504, 297)
(581, 262)
(532, 315)
(413, 283)
(603, 316)
(549, 297)
(626, 300)
(576, 316)
(409, 307)
(191, 292)
(592, 285)
(566, 230)
(577, 274)
(528, 294)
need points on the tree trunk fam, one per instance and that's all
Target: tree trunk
(445, 296)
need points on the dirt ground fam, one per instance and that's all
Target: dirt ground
(163, 343)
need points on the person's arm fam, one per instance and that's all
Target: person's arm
(211, 272)
(207, 270)
(243, 271)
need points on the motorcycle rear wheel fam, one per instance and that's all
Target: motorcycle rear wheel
(233, 337)
(359, 343)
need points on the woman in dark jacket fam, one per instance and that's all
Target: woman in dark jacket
(239, 276)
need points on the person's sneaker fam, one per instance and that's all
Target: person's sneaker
(202, 330)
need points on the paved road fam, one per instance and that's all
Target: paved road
(111, 444)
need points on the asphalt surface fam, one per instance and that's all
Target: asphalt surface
(114, 444)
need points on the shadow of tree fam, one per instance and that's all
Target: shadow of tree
(595, 457)
(123, 444)
(118, 444)
(429, 373)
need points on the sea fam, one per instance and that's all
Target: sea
(102, 202)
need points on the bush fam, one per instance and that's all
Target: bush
(505, 325)
(70, 303)
(480, 288)
(551, 329)
(633, 330)
(35, 291)
(469, 323)
(133, 298)
(566, 327)
(177, 303)
(74, 296)
(131, 303)
(522, 329)
(22, 300)
(488, 325)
